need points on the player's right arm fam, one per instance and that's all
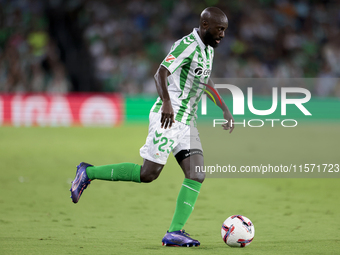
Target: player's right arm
(161, 78)
(177, 57)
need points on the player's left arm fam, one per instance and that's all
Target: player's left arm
(226, 113)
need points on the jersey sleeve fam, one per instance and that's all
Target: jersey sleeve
(179, 55)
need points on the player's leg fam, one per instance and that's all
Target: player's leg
(186, 198)
(189, 191)
(155, 153)
(148, 172)
(188, 154)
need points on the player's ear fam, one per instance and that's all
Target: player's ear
(204, 24)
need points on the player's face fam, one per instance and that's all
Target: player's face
(215, 33)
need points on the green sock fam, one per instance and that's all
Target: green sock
(116, 172)
(185, 203)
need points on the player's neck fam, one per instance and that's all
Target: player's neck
(200, 35)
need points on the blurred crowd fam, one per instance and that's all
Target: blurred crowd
(29, 60)
(122, 42)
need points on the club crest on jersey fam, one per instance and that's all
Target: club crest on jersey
(200, 71)
(170, 58)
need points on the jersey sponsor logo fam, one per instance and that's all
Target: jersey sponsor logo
(170, 58)
(200, 71)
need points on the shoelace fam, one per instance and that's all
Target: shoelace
(185, 233)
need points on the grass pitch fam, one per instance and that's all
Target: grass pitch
(291, 216)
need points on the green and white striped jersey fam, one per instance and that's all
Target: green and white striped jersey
(189, 63)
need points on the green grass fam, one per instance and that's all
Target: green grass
(291, 216)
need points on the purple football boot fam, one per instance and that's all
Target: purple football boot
(80, 182)
(180, 239)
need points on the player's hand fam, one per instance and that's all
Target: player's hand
(230, 125)
(168, 117)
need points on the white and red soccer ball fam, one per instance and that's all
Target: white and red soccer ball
(237, 231)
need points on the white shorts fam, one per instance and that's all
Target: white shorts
(160, 142)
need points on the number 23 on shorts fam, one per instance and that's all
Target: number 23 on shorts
(163, 142)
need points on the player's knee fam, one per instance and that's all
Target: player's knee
(149, 177)
(150, 173)
(199, 177)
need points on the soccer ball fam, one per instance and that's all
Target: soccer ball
(237, 231)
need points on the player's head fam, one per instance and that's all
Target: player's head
(213, 23)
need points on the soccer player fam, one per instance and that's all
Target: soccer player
(180, 80)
